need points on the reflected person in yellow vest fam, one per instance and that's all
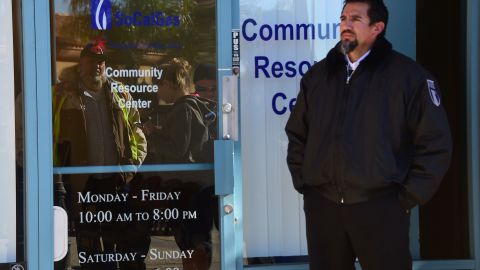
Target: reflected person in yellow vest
(93, 127)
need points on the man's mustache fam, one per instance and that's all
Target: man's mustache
(348, 31)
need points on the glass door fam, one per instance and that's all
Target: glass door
(135, 117)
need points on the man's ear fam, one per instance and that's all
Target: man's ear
(378, 28)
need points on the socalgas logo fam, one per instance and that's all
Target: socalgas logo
(101, 12)
(102, 17)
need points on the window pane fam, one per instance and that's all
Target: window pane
(135, 85)
(156, 220)
(131, 74)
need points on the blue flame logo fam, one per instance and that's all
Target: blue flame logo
(101, 12)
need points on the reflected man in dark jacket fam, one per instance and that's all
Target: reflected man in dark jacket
(205, 81)
(368, 140)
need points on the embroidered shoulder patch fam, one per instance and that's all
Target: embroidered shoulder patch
(432, 90)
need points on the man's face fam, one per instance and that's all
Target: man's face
(355, 28)
(166, 91)
(207, 88)
(92, 69)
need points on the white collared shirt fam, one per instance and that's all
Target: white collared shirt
(355, 64)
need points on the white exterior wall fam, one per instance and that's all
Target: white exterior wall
(274, 223)
(7, 137)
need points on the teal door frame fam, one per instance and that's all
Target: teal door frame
(228, 184)
(37, 136)
(38, 139)
(473, 122)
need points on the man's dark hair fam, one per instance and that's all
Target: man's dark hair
(377, 11)
(205, 72)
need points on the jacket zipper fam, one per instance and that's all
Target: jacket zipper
(341, 124)
(343, 112)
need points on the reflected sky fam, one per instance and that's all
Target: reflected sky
(277, 4)
(62, 6)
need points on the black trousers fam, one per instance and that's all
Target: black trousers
(375, 231)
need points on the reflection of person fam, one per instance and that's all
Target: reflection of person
(368, 140)
(91, 119)
(92, 126)
(185, 131)
(180, 134)
(205, 81)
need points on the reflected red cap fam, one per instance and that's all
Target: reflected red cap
(95, 50)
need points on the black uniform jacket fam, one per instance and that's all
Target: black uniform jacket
(385, 128)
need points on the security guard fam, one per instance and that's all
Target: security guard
(368, 140)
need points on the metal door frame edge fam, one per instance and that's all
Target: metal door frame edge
(472, 60)
(38, 142)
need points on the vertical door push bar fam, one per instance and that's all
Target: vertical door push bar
(224, 147)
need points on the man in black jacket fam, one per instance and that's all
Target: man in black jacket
(368, 140)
